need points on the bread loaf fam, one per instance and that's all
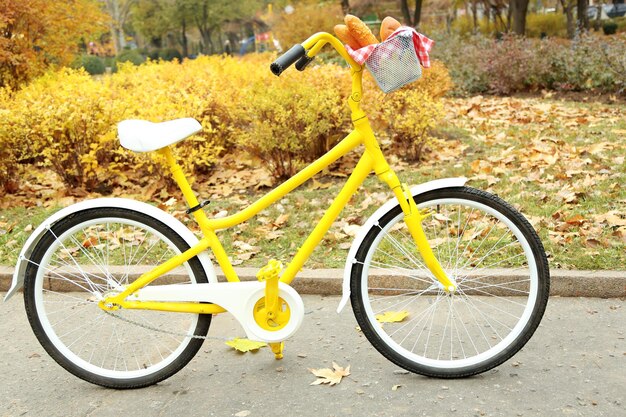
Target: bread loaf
(359, 31)
(387, 27)
(344, 35)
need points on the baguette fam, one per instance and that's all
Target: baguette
(359, 31)
(343, 33)
(388, 26)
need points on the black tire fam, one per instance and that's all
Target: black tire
(65, 276)
(523, 285)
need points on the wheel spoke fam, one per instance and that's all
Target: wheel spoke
(472, 234)
(80, 255)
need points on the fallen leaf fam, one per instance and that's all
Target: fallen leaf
(316, 185)
(611, 218)
(392, 316)
(245, 345)
(568, 196)
(330, 376)
(594, 243)
(395, 387)
(281, 220)
(621, 233)
(575, 220)
(351, 229)
(89, 242)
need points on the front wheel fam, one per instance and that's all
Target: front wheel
(490, 251)
(94, 253)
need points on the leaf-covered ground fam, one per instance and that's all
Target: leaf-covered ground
(561, 163)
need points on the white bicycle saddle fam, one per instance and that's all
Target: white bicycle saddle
(145, 136)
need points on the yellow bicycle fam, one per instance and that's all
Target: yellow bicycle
(444, 280)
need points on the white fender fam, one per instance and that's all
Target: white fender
(171, 221)
(374, 218)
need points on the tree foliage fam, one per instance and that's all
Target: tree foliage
(157, 18)
(35, 34)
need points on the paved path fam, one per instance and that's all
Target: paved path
(574, 365)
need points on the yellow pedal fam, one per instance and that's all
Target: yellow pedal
(277, 348)
(270, 271)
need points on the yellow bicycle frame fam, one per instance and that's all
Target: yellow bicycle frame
(371, 160)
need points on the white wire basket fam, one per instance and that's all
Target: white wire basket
(394, 63)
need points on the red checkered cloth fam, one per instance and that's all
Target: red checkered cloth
(422, 45)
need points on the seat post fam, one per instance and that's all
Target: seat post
(179, 176)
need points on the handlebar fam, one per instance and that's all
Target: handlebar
(287, 59)
(302, 54)
(304, 62)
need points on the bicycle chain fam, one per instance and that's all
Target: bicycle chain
(147, 327)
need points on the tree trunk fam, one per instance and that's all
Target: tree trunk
(475, 16)
(119, 12)
(509, 18)
(207, 43)
(583, 19)
(417, 13)
(183, 38)
(406, 14)
(518, 14)
(114, 12)
(345, 6)
(487, 14)
(568, 9)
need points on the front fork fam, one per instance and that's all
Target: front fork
(413, 219)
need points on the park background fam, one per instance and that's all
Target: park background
(525, 98)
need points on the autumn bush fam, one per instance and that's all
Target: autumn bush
(408, 116)
(63, 120)
(512, 64)
(94, 65)
(66, 120)
(549, 24)
(296, 118)
(8, 164)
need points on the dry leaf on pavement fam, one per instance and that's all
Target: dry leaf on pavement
(392, 316)
(245, 345)
(330, 376)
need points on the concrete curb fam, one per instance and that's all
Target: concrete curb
(564, 283)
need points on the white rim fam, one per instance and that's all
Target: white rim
(101, 318)
(472, 360)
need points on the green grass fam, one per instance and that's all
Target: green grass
(16, 225)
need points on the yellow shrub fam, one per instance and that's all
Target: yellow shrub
(67, 120)
(296, 118)
(464, 25)
(552, 24)
(412, 115)
(63, 120)
(409, 114)
(8, 162)
(435, 81)
(203, 89)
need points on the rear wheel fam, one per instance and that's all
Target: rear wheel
(92, 253)
(489, 250)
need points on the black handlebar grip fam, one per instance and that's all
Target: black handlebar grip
(288, 58)
(304, 62)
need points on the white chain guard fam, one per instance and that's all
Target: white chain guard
(238, 298)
